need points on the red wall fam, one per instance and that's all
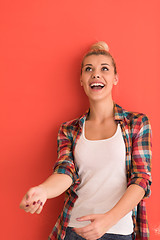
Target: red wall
(42, 44)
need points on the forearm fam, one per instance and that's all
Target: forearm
(101, 223)
(129, 200)
(56, 184)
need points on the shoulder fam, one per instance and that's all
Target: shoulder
(133, 120)
(135, 117)
(71, 123)
(76, 122)
(69, 128)
(130, 116)
(138, 121)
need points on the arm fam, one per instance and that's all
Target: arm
(63, 176)
(56, 184)
(35, 198)
(129, 200)
(142, 155)
(101, 223)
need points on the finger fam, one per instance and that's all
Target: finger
(30, 194)
(28, 207)
(25, 201)
(86, 218)
(36, 207)
(90, 236)
(39, 208)
(32, 198)
(22, 204)
(83, 230)
(33, 207)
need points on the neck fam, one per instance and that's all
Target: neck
(101, 110)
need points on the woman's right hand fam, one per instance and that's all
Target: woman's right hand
(34, 200)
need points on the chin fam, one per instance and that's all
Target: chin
(99, 97)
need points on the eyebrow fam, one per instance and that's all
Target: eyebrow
(105, 64)
(88, 64)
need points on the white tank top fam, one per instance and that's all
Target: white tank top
(102, 170)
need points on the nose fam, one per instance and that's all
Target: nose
(95, 76)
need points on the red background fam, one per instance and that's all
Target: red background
(42, 44)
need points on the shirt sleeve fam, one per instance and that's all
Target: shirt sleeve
(142, 156)
(65, 163)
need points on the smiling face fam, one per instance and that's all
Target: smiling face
(98, 77)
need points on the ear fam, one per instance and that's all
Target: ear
(81, 82)
(116, 80)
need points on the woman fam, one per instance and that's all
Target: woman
(103, 165)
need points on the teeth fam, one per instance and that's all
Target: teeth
(97, 84)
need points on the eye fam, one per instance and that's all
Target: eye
(105, 69)
(88, 69)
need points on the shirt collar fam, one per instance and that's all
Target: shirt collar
(118, 114)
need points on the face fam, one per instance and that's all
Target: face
(98, 77)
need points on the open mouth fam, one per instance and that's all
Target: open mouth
(97, 86)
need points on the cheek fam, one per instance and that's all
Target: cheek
(85, 78)
(108, 77)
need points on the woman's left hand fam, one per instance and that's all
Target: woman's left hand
(100, 224)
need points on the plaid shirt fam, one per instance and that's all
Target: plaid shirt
(137, 135)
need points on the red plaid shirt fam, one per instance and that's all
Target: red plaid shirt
(137, 134)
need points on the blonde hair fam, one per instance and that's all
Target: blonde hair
(100, 48)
